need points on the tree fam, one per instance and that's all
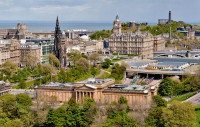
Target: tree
(9, 68)
(24, 99)
(83, 63)
(47, 69)
(159, 101)
(31, 61)
(178, 114)
(154, 118)
(22, 84)
(166, 87)
(53, 60)
(8, 104)
(106, 63)
(118, 115)
(94, 57)
(62, 76)
(75, 55)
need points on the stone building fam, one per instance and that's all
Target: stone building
(138, 43)
(5, 87)
(117, 25)
(16, 33)
(103, 91)
(4, 54)
(14, 52)
(158, 43)
(30, 48)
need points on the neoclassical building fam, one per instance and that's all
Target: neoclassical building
(143, 44)
(103, 91)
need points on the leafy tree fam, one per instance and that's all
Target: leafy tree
(83, 63)
(62, 76)
(118, 115)
(9, 68)
(159, 101)
(47, 69)
(75, 55)
(106, 63)
(178, 114)
(53, 60)
(22, 85)
(94, 57)
(24, 99)
(8, 104)
(166, 87)
(154, 118)
(31, 61)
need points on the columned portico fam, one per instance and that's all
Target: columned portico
(81, 94)
(84, 90)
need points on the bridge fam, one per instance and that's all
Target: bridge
(156, 72)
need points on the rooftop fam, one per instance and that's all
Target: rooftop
(95, 81)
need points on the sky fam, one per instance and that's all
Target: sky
(100, 10)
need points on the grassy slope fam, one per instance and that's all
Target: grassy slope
(197, 124)
(183, 97)
(105, 75)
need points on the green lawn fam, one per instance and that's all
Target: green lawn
(183, 97)
(116, 60)
(109, 69)
(197, 123)
(28, 85)
(105, 75)
(88, 75)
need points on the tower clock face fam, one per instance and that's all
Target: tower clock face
(116, 25)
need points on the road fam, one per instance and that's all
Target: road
(195, 100)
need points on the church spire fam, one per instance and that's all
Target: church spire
(57, 22)
(117, 17)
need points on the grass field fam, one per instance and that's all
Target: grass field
(105, 75)
(197, 123)
(89, 75)
(183, 97)
(109, 69)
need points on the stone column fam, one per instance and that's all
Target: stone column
(90, 94)
(76, 97)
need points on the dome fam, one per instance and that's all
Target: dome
(84, 37)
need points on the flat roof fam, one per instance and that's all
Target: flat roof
(57, 84)
(130, 87)
(95, 81)
(171, 63)
(137, 63)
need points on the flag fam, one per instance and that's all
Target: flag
(4, 75)
(41, 76)
(53, 74)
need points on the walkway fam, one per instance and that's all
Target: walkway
(195, 100)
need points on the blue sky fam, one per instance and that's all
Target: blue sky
(100, 10)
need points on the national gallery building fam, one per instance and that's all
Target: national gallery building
(103, 91)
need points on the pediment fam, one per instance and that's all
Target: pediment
(85, 87)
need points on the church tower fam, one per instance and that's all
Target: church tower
(117, 25)
(58, 46)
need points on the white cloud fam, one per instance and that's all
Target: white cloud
(50, 8)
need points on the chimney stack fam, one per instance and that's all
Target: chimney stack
(170, 17)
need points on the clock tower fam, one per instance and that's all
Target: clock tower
(117, 25)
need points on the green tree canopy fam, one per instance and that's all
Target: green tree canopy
(24, 99)
(9, 68)
(31, 61)
(53, 60)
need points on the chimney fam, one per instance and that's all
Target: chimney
(169, 17)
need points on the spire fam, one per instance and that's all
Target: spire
(57, 22)
(117, 17)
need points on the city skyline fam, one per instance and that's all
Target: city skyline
(100, 10)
